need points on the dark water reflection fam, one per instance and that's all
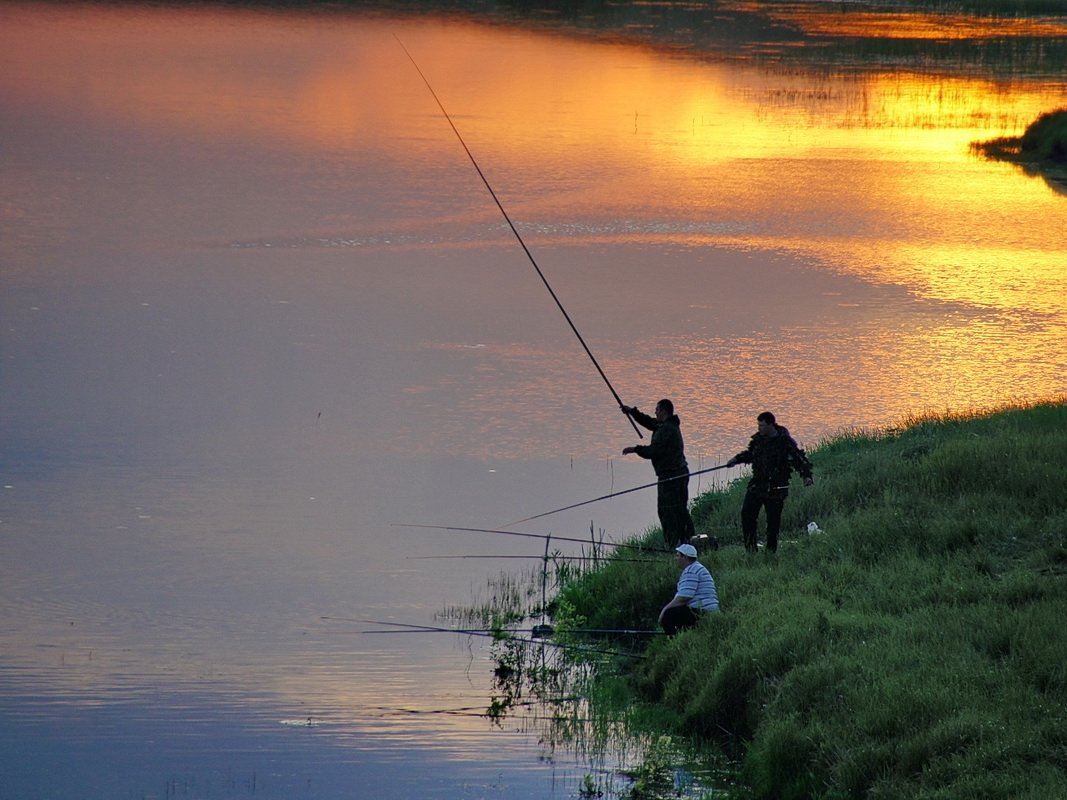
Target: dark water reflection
(257, 310)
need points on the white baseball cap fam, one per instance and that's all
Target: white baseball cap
(686, 550)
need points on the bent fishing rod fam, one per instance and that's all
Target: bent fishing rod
(515, 231)
(616, 494)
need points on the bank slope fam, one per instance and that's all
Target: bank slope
(916, 647)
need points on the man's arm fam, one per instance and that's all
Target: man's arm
(677, 600)
(800, 461)
(656, 446)
(744, 457)
(642, 419)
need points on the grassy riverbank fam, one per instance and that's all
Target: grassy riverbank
(915, 647)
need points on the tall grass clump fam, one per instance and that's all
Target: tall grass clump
(1042, 148)
(914, 647)
(1046, 137)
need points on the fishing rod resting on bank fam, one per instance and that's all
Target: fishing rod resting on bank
(515, 231)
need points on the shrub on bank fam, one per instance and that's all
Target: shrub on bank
(1047, 136)
(914, 649)
(1043, 143)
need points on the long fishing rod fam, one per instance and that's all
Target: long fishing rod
(475, 711)
(642, 548)
(515, 231)
(537, 631)
(500, 635)
(615, 494)
(539, 558)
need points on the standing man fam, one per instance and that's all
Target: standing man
(667, 453)
(774, 455)
(695, 593)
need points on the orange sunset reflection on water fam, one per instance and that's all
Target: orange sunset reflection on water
(263, 314)
(866, 175)
(921, 25)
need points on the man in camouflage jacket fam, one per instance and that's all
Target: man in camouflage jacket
(774, 455)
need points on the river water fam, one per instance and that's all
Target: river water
(260, 315)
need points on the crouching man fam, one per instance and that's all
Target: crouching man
(694, 596)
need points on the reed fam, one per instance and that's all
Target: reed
(915, 648)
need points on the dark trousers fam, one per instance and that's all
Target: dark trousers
(754, 501)
(678, 618)
(672, 505)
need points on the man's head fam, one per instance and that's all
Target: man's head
(664, 409)
(686, 553)
(765, 423)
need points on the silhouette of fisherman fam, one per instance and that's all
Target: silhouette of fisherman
(774, 455)
(666, 451)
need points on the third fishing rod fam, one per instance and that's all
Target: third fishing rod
(515, 231)
(545, 536)
(616, 494)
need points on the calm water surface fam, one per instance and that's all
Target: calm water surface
(258, 309)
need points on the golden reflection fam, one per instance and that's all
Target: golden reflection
(300, 78)
(740, 238)
(366, 688)
(866, 175)
(962, 230)
(323, 83)
(813, 20)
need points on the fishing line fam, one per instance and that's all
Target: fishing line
(515, 231)
(615, 494)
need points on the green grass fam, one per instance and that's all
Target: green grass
(917, 648)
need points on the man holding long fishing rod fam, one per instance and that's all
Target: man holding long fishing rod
(666, 451)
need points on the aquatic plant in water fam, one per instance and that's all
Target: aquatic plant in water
(548, 687)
